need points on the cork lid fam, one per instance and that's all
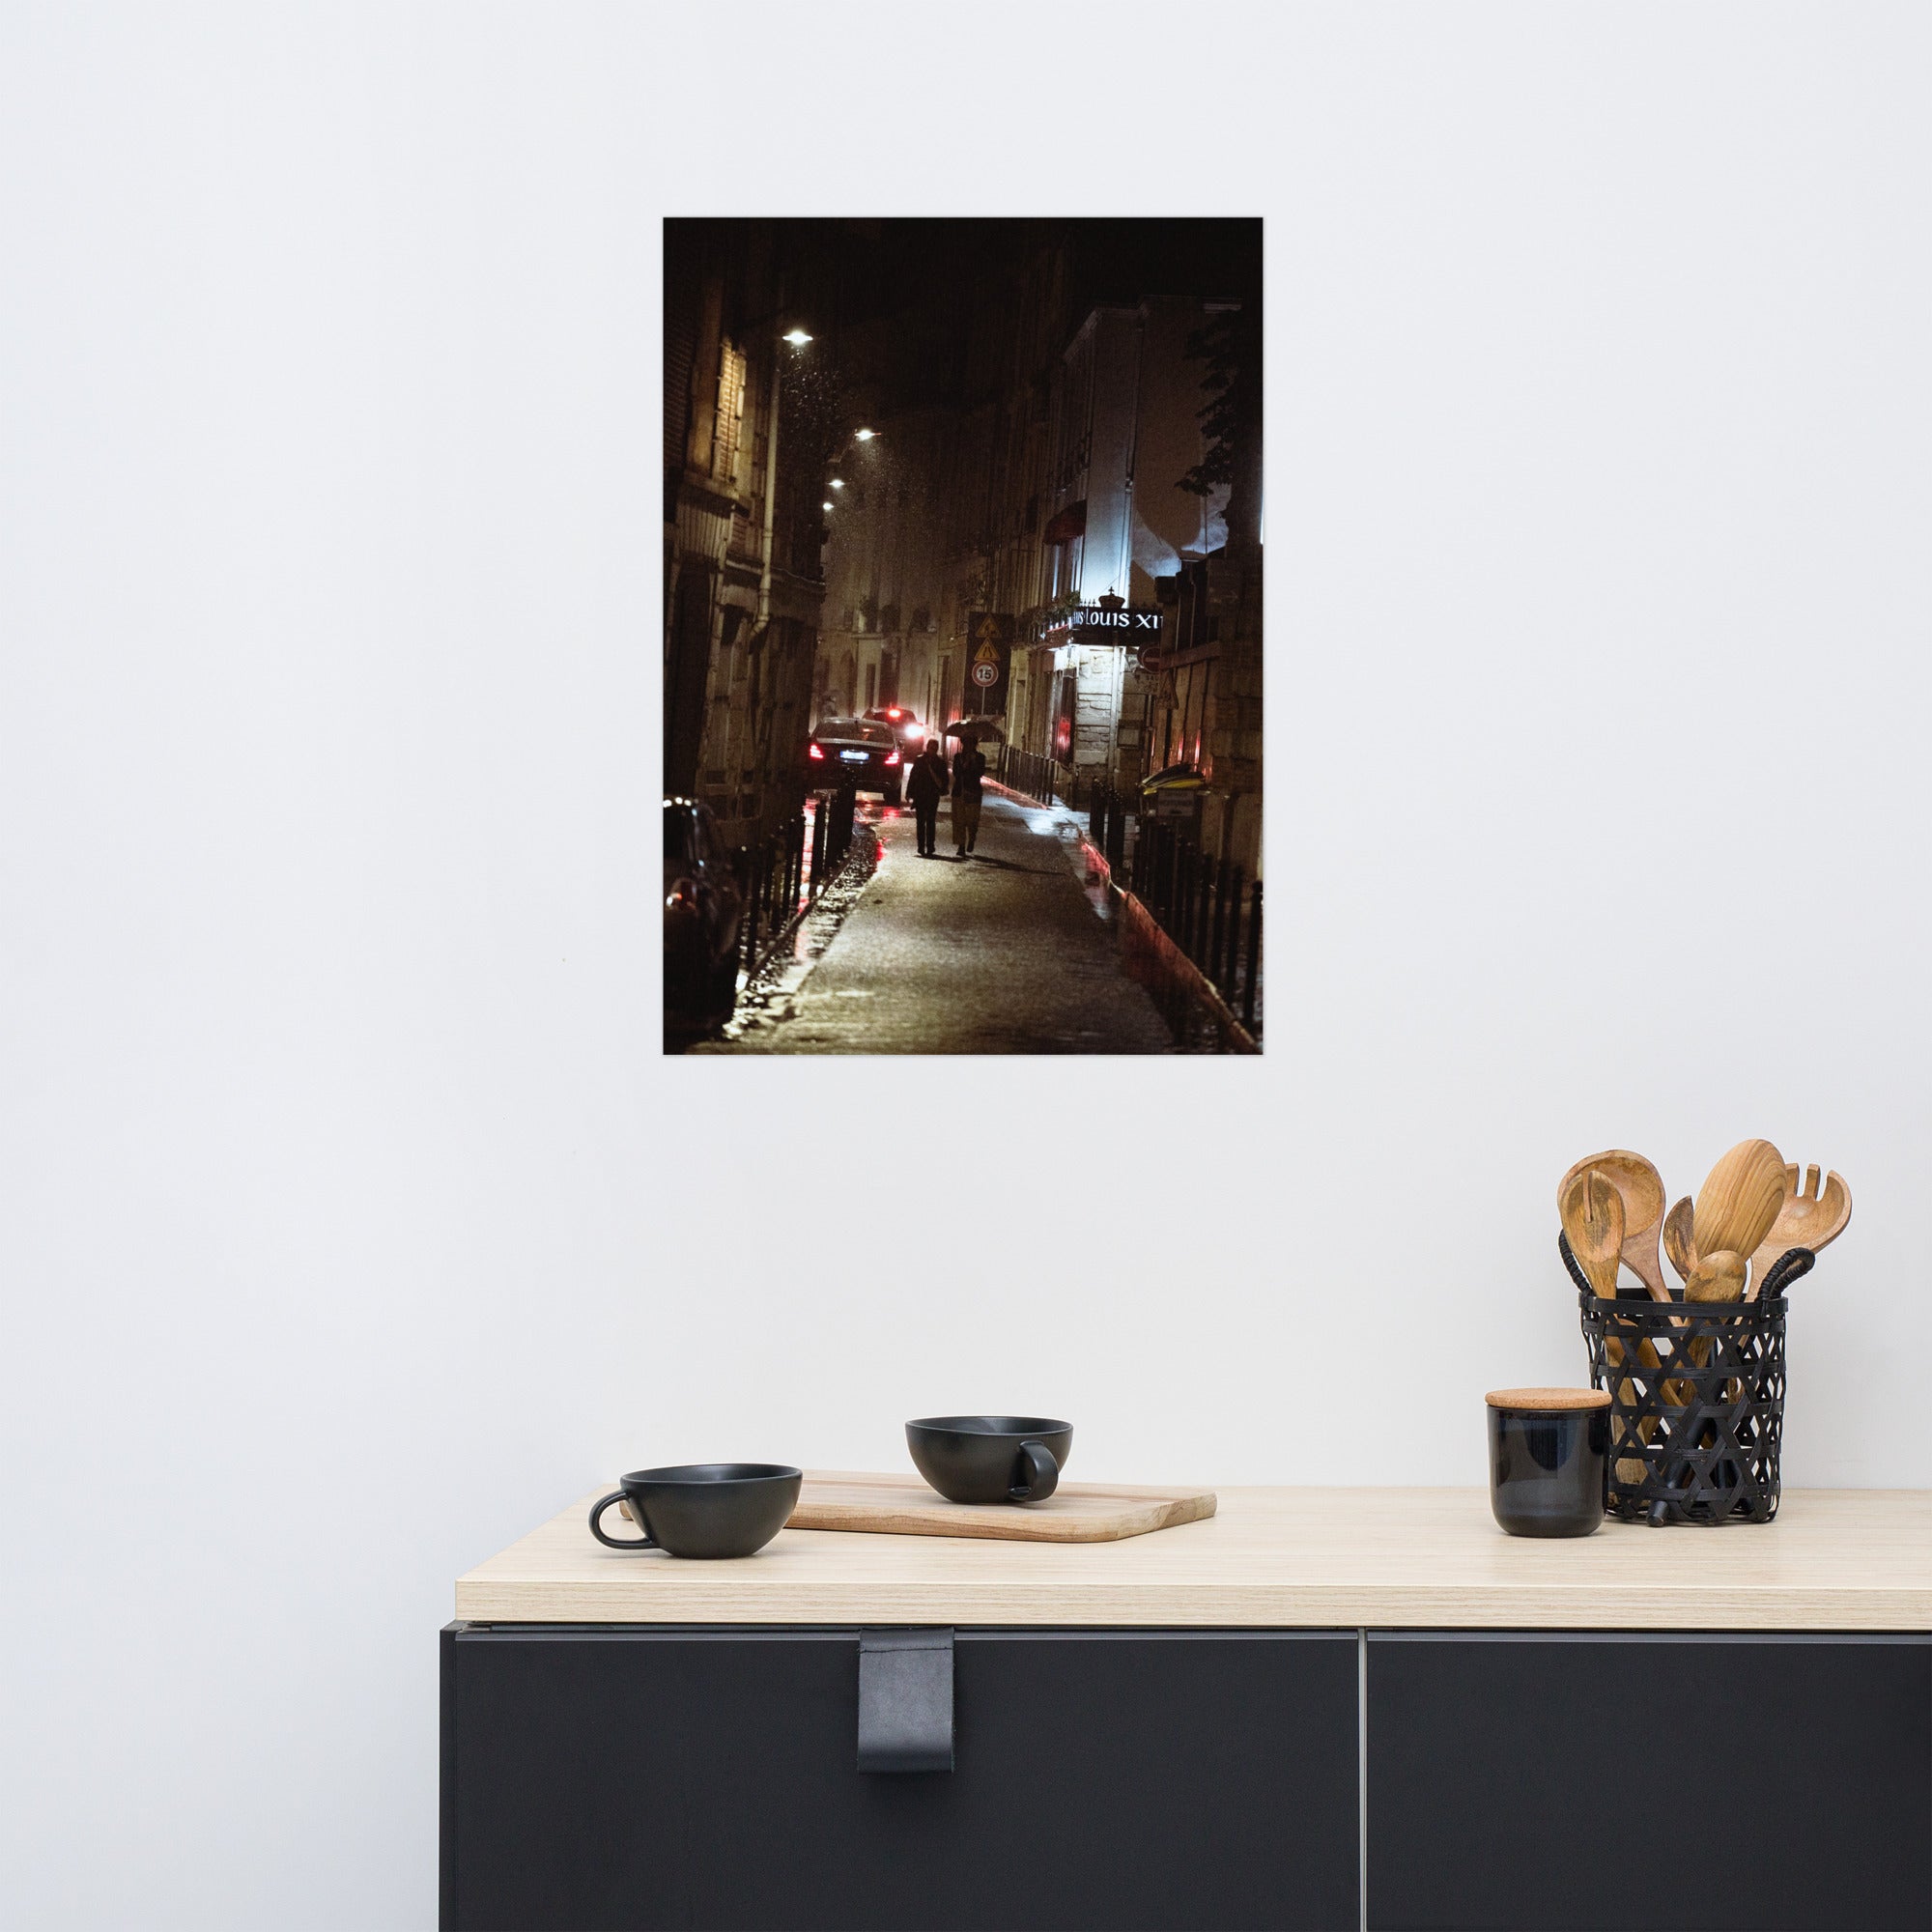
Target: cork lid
(1547, 1399)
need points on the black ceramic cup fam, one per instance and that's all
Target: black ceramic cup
(990, 1458)
(1548, 1459)
(703, 1509)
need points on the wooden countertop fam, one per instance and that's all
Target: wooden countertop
(1834, 1559)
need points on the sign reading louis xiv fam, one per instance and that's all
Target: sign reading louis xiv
(990, 645)
(1135, 619)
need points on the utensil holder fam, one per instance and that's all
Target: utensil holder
(1706, 1420)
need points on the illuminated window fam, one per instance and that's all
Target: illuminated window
(730, 411)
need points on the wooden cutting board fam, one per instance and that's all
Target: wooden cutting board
(1075, 1513)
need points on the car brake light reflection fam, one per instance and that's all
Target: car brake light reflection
(814, 751)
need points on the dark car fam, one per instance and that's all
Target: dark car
(905, 726)
(701, 911)
(859, 752)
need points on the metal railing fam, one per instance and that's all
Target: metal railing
(1206, 907)
(1027, 772)
(782, 875)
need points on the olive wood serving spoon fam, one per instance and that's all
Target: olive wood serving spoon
(1716, 1277)
(1809, 1217)
(1680, 1241)
(1641, 1189)
(1739, 1201)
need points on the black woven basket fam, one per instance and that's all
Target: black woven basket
(1696, 1401)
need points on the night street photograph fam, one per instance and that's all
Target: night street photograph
(962, 605)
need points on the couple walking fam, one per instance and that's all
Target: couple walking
(926, 784)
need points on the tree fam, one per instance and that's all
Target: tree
(1230, 343)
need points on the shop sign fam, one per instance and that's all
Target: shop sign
(1129, 624)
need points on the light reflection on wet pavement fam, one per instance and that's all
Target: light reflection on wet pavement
(1012, 949)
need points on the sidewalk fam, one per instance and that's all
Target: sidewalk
(1001, 953)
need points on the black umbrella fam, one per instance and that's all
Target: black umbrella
(976, 728)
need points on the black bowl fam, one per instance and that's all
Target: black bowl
(990, 1458)
(703, 1509)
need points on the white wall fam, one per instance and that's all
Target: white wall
(353, 1222)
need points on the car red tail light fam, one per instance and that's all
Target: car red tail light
(892, 758)
(814, 751)
(683, 896)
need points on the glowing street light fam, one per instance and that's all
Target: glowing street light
(797, 337)
(839, 482)
(866, 435)
(826, 505)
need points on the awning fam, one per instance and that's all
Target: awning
(1066, 525)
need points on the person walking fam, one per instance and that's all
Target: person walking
(925, 787)
(969, 770)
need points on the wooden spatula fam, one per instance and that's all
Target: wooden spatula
(1593, 1218)
(1593, 1221)
(1641, 1189)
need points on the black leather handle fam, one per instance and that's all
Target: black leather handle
(906, 1700)
(1571, 1262)
(1788, 1268)
(597, 1509)
(1036, 1474)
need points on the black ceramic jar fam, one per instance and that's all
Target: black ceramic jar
(1548, 1459)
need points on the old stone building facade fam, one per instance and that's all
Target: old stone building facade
(743, 532)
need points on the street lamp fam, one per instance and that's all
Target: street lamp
(839, 482)
(797, 337)
(866, 435)
(826, 505)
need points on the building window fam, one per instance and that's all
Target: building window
(730, 411)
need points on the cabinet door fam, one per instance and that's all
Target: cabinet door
(1620, 1781)
(602, 1778)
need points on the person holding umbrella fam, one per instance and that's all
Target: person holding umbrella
(925, 787)
(969, 771)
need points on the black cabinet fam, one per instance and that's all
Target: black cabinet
(1567, 1782)
(603, 1777)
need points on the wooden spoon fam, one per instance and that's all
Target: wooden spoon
(1717, 1277)
(1641, 1187)
(1680, 1242)
(1593, 1218)
(1739, 1201)
(1808, 1217)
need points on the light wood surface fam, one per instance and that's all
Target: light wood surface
(1809, 1217)
(1847, 1559)
(898, 1505)
(1641, 1188)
